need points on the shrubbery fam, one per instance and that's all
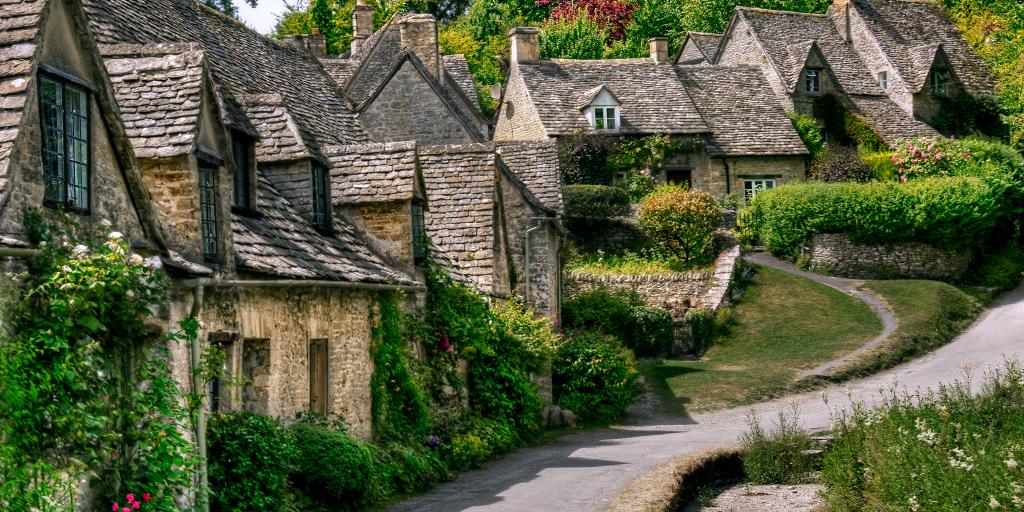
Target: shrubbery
(810, 133)
(840, 164)
(680, 221)
(595, 201)
(331, 467)
(595, 376)
(578, 37)
(929, 157)
(250, 460)
(648, 331)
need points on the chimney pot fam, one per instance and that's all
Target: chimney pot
(525, 44)
(659, 50)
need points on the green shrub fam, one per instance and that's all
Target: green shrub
(648, 331)
(964, 115)
(778, 457)
(862, 135)
(957, 213)
(595, 201)
(481, 441)
(881, 165)
(402, 469)
(595, 377)
(249, 460)
(1002, 268)
(680, 221)
(809, 131)
(578, 37)
(331, 467)
(585, 159)
(937, 156)
(653, 332)
(840, 164)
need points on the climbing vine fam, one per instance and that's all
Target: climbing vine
(398, 402)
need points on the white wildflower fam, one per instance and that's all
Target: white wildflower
(914, 505)
(136, 259)
(961, 460)
(993, 503)
(80, 250)
(154, 262)
(105, 223)
(927, 437)
(1010, 463)
(115, 235)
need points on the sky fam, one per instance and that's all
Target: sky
(263, 17)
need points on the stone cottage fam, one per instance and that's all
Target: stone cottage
(230, 157)
(736, 134)
(890, 62)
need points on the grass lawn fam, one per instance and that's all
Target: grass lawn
(783, 324)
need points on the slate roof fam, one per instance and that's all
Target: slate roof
(745, 117)
(536, 164)
(19, 39)
(373, 173)
(279, 138)
(706, 43)
(652, 98)
(371, 65)
(909, 30)
(458, 72)
(461, 220)
(280, 242)
(888, 120)
(787, 38)
(159, 90)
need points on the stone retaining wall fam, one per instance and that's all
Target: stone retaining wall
(657, 290)
(836, 254)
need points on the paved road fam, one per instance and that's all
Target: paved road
(582, 472)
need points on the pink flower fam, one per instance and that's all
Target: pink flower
(115, 507)
(135, 505)
(146, 497)
(130, 497)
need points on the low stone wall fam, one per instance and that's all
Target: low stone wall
(836, 254)
(657, 290)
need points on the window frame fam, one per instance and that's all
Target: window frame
(209, 230)
(319, 347)
(604, 118)
(883, 80)
(940, 81)
(243, 188)
(66, 199)
(320, 184)
(749, 193)
(420, 241)
(812, 81)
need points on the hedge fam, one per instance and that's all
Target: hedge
(955, 213)
(623, 315)
(595, 201)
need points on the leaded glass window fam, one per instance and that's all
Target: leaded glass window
(208, 210)
(419, 233)
(64, 115)
(321, 199)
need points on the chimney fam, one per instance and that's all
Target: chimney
(362, 24)
(419, 35)
(316, 43)
(525, 44)
(659, 50)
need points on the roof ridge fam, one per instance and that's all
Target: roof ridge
(121, 50)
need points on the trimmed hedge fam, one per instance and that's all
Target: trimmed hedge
(250, 458)
(955, 213)
(595, 201)
(330, 466)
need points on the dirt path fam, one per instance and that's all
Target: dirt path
(582, 472)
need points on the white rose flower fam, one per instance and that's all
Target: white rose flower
(115, 235)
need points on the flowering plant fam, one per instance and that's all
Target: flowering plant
(930, 157)
(131, 503)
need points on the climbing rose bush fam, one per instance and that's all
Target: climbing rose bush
(921, 158)
(680, 221)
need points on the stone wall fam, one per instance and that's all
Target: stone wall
(409, 109)
(539, 282)
(657, 290)
(836, 254)
(517, 116)
(389, 226)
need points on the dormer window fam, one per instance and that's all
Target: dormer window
(64, 115)
(242, 150)
(940, 83)
(606, 118)
(883, 80)
(321, 199)
(812, 80)
(208, 210)
(419, 233)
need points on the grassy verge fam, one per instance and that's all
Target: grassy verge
(930, 315)
(783, 324)
(633, 264)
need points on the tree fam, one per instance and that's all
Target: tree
(680, 221)
(612, 16)
(294, 21)
(227, 6)
(580, 37)
(653, 18)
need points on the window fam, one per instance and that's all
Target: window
(752, 187)
(318, 377)
(64, 114)
(321, 199)
(883, 80)
(940, 83)
(241, 148)
(812, 80)
(208, 210)
(419, 233)
(606, 118)
(681, 177)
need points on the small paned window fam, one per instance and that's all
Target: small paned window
(241, 147)
(318, 377)
(883, 80)
(64, 114)
(321, 199)
(605, 118)
(208, 210)
(812, 80)
(419, 233)
(940, 83)
(753, 187)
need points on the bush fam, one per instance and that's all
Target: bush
(881, 166)
(584, 159)
(810, 133)
(777, 458)
(595, 376)
(595, 201)
(249, 460)
(931, 157)
(839, 164)
(964, 115)
(680, 221)
(956, 213)
(648, 331)
(400, 469)
(1002, 268)
(331, 467)
(862, 135)
(482, 441)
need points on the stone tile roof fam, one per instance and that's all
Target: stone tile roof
(745, 117)
(240, 61)
(457, 70)
(536, 164)
(280, 242)
(372, 64)
(19, 40)
(159, 90)
(652, 98)
(279, 138)
(461, 221)
(787, 36)
(373, 173)
(890, 121)
(706, 43)
(909, 30)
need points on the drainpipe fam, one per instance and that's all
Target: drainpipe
(204, 484)
(728, 181)
(11, 252)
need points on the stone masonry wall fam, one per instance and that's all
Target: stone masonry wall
(658, 290)
(836, 254)
(389, 226)
(543, 272)
(409, 109)
(517, 116)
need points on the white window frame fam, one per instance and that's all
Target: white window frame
(754, 186)
(812, 81)
(883, 80)
(607, 113)
(940, 81)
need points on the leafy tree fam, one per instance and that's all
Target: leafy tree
(714, 15)
(580, 37)
(612, 16)
(227, 6)
(294, 21)
(680, 221)
(652, 18)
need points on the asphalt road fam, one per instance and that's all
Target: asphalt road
(583, 472)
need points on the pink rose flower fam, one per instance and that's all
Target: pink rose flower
(115, 507)
(130, 497)
(135, 505)
(146, 497)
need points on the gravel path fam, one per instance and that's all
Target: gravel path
(761, 498)
(582, 472)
